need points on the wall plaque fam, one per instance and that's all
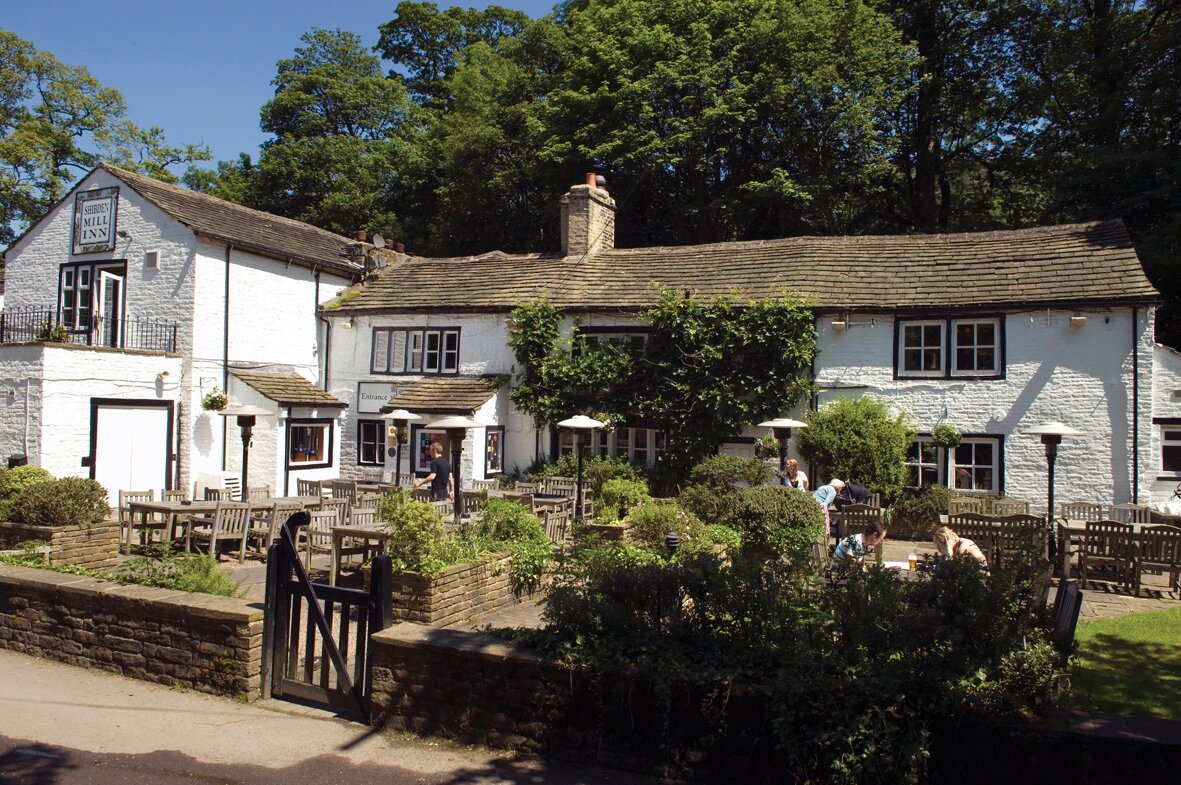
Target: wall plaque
(94, 220)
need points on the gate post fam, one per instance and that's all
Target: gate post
(276, 610)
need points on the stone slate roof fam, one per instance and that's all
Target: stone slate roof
(251, 230)
(1087, 263)
(445, 395)
(288, 389)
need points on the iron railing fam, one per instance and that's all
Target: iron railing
(27, 325)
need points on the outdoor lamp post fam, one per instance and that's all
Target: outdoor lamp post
(577, 425)
(782, 429)
(456, 428)
(1051, 433)
(399, 418)
(247, 415)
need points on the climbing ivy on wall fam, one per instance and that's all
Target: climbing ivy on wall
(709, 369)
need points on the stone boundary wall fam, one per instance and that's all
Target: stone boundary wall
(479, 689)
(460, 592)
(95, 547)
(199, 641)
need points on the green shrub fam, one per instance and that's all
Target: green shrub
(711, 506)
(510, 525)
(192, 572)
(724, 535)
(723, 473)
(68, 501)
(418, 541)
(915, 515)
(858, 438)
(651, 521)
(12, 482)
(618, 496)
(784, 521)
(595, 471)
(503, 521)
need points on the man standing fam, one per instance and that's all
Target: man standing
(442, 483)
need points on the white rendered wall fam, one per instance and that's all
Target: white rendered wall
(1081, 377)
(59, 383)
(1166, 404)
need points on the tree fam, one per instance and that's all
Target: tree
(858, 439)
(337, 151)
(425, 43)
(56, 122)
(725, 120)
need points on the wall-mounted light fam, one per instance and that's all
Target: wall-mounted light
(839, 325)
(160, 377)
(347, 323)
(1078, 322)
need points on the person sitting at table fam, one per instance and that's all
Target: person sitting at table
(440, 479)
(952, 546)
(855, 546)
(796, 478)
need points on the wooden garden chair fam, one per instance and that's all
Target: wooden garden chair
(265, 524)
(1158, 551)
(962, 504)
(1005, 507)
(230, 523)
(1081, 511)
(1107, 551)
(127, 525)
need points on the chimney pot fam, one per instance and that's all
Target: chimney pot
(590, 179)
(361, 235)
(400, 247)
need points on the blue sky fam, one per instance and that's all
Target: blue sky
(200, 69)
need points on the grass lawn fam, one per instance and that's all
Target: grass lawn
(1130, 665)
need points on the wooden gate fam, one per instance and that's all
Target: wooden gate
(303, 656)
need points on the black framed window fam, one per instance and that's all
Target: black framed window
(493, 449)
(309, 443)
(1170, 449)
(371, 442)
(946, 347)
(415, 350)
(632, 339)
(976, 465)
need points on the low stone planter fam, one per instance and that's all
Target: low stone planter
(95, 547)
(607, 532)
(460, 592)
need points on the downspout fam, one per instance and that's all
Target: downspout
(284, 452)
(1135, 408)
(225, 358)
(327, 331)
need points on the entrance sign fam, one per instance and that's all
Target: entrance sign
(94, 220)
(372, 396)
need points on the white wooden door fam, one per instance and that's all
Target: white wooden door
(110, 308)
(130, 448)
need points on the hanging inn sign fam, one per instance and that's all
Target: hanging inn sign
(94, 220)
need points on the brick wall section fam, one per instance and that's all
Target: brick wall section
(95, 547)
(202, 642)
(460, 592)
(482, 690)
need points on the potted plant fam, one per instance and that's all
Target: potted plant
(945, 435)
(54, 333)
(215, 400)
(766, 447)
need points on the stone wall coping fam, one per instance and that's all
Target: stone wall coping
(408, 635)
(192, 603)
(68, 527)
(459, 567)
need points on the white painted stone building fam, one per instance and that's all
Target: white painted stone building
(992, 332)
(162, 293)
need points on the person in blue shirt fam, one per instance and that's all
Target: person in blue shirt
(825, 495)
(855, 546)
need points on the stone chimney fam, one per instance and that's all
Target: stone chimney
(588, 218)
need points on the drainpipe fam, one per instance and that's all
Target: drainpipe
(327, 332)
(1135, 408)
(225, 358)
(282, 438)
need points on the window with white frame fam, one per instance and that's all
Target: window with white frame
(415, 350)
(976, 465)
(1170, 449)
(949, 347)
(633, 340)
(638, 445)
(309, 443)
(924, 463)
(371, 442)
(975, 346)
(920, 349)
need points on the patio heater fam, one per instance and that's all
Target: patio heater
(399, 418)
(247, 415)
(1051, 433)
(456, 428)
(578, 425)
(781, 427)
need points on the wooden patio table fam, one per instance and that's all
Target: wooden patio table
(1074, 529)
(371, 537)
(179, 513)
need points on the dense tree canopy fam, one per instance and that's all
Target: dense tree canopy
(56, 122)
